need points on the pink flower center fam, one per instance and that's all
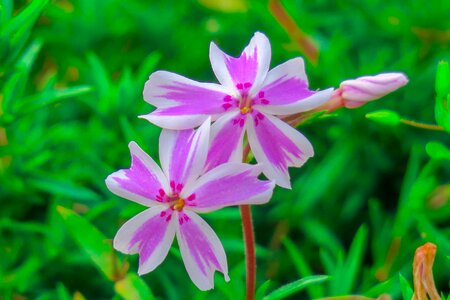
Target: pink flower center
(245, 103)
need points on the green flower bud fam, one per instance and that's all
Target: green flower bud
(387, 117)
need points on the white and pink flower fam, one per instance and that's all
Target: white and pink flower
(174, 195)
(248, 99)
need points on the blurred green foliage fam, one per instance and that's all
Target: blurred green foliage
(71, 78)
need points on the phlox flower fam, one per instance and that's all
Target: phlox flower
(249, 98)
(174, 195)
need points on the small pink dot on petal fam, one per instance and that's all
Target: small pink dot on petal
(235, 121)
(227, 98)
(180, 220)
(226, 106)
(162, 214)
(239, 86)
(159, 198)
(260, 116)
(161, 192)
(172, 184)
(186, 218)
(241, 122)
(261, 94)
(179, 187)
(265, 101)
(191, 197)
(256, 122)
(168, 218)
(247, 85)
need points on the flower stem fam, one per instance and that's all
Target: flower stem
(250, 257)
(422, 125)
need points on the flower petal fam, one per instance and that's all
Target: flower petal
(226, 140)
(201, 250)
(150, 234)
(250, 67)
(229, 184)
(285, 90)
(183, 153)
(141, 182)
(278, 146)
(181, 103)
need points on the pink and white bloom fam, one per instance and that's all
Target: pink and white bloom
(357, 92)
(248, 99)
(174, 195)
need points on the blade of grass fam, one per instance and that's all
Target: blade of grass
(93, 243)
(296, 286)
(302, 266)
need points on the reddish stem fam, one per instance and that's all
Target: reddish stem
(250, 257)
(249, 241)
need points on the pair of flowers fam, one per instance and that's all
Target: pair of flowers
(202, 169)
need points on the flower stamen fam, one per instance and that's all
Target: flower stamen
(179, 204)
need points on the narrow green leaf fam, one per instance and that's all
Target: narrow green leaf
(132, 287)
(302, 267)
(296, 286)
(345, 274)
(36, 102)
(148, 65)
(64, 188)
(15, 83)
(261, 291)
(92, 242)
(25, 18)
(407, 291)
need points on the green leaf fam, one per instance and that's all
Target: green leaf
(296, 286)
(92, 242)
(407, 291)
(36, 102)
(441, 110)
(443, 78)
(303, 269)
(345, 277)
(261, 291)
(132, 287)
(386, 117)
(15, 83)
(437, 150)
(25, 18)
(64, 188)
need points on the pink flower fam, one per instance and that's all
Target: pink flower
(357, 92)
(175, 195)
(248, 100)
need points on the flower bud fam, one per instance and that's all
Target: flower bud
(357, 92)
(387, 117)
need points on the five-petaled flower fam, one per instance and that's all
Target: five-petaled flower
(175, 195)
(248, 100)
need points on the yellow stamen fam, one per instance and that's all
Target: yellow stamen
(179, 204)
(245, 110)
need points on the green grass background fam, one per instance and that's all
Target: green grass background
(71, 80)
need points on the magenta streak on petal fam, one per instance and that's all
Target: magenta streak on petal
(150, 235)
(181, 162)
(199, 247)
(224, 144)
(243, 69)
(285, 91)
(230, 190)
(275, 144)
(140, 180)
(191, 99)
